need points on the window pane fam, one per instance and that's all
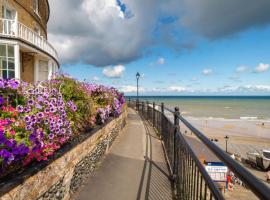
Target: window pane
(5, 74)
(11, 64)
(11, 74)
(2, 50)
(3, 63)
(10, 51)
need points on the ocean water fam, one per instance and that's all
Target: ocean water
(253, 108)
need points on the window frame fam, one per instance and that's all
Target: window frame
(7, 59)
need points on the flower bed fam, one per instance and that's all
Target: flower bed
(36, 120)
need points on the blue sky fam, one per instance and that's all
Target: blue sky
(177, 57)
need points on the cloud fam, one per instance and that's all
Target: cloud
(161, 61)
(109, 32)
(114, 72)
(95, 78)
(245, 89)
(207, 72)
(177, 89)
(261, 68)
(130, 89)
(101, 32)
(215, 19)
(241, 69)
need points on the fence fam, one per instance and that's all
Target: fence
(189, 176)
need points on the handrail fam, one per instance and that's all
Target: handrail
(15, 29)
(256, 186)
(260, 189)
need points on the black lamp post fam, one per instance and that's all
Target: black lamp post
(137, 77)
(227, 138)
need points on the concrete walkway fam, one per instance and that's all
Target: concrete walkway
(134, 168)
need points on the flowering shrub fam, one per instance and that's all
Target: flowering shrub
(36, 120)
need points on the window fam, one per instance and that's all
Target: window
(36, 6)
(7, 61)
(8, 23)
(43, 70)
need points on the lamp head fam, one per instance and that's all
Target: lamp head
(138, 75)
(226, 137)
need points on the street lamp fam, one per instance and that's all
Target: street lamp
(227, 138)
(137, 77)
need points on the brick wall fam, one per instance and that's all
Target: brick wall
(26, 14)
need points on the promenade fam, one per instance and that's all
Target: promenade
(134, 168)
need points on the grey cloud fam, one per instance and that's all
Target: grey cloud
(216, 18)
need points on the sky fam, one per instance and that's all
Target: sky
(180, 47)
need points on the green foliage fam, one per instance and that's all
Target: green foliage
(72, 91)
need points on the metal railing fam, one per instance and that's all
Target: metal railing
(15, 29)
(189, 176)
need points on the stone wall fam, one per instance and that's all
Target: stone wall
(61, 178)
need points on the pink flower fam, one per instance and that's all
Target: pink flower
(12, 132)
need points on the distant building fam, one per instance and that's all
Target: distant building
(25, 52)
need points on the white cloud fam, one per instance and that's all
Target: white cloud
(130, 89)
(114, 71)
(161, 61)
(261, 68)
(241, 69)
(207, 72)
(95, 78)
(177, 89)
(245, 89)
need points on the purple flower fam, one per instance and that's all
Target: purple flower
(51, 136)
(40, 115)
(38, 106)
(20, 108)
(31, 102)
(1, 100)
(40, 99)
(27, 118)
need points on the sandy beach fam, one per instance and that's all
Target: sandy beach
(244, 128)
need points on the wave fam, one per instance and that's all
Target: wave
(251, 119)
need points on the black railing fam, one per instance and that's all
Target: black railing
(189, 176)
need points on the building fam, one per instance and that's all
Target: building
(25, 52)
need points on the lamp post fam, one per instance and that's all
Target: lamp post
(227, 138)
(137, 77)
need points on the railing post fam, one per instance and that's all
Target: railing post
(142, 108)
(147, 111)
(16, 27)
(175, 149)
(162, 118)
(129, 101)
(153, 114)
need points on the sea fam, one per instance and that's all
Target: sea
(252, 108)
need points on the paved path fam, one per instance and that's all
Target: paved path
(134, 168)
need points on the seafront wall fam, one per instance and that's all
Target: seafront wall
(64, 175)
